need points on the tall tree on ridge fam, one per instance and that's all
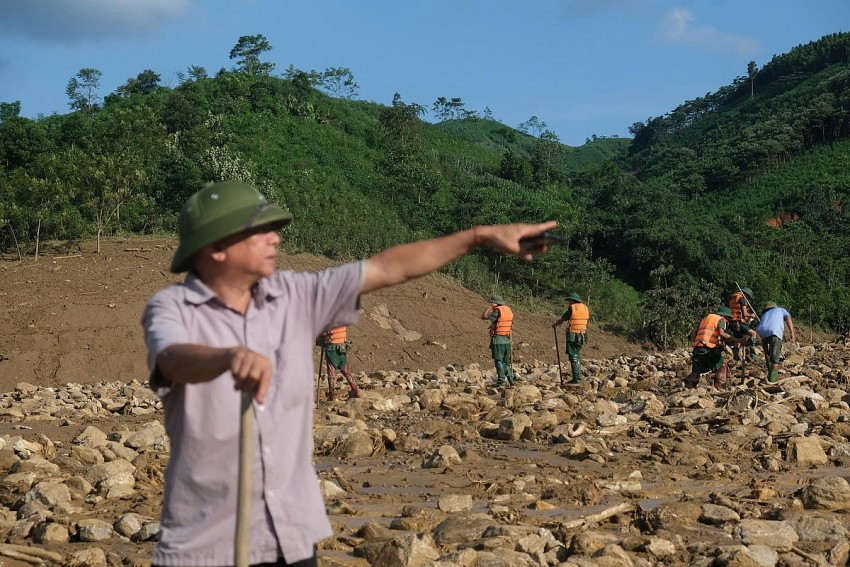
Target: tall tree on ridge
(247, 53)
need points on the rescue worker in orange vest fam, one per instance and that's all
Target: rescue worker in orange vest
(336, 355)
(709, 342)
(501, 321)
(577, 315)
(742, 321)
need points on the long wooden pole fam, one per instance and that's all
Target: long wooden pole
(243, 502)
(319, 377)
(747, 299)
(558, 352)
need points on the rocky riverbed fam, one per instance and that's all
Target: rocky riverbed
(437, 468)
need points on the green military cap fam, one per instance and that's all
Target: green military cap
(219, 210)
(724, 312)
(497, 299)
(574, 297)
(769, 305)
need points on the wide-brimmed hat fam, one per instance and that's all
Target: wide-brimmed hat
(724, 312)
(769, 305)
(219, 210)
(574, 297)
(497, 299)
(748, 292)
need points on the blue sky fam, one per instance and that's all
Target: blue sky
(583, 67)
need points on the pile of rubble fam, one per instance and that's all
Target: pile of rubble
(438, 468)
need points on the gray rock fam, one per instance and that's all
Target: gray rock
(461, 528)
(409, 550)
(128, 524)
(513, 427)
(92, 529)
(91, 557)
(716, 515)
(452, 503)
(358, 444)
(826, 493)
(49, 532)
(444, 456)
(49, 493)
(777, 535)
(806, 450)
(36, 464)
(818, 529)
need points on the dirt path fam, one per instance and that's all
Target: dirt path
(72, 316)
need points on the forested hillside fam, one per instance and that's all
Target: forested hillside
(747, 184)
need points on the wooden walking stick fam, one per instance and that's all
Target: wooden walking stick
(750, 305)
(558, 352)
(319, 378)
(243, 498)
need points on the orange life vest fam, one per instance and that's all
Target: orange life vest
(502, 325)
(335, 336)
(579, 314)
(735, 306)
(708, 334)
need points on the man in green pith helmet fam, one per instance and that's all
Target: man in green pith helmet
(577, 314)
(501, 322)
(709, 342)
(742, 321)
(774, 319)
(237, 325)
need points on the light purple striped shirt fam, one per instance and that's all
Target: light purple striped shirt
(287, 312)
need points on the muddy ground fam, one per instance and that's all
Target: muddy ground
(628, 437)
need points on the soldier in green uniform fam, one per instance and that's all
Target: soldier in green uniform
(501, 320)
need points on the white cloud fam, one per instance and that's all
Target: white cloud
(66, 21)
(678, 27)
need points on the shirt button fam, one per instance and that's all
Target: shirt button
(266, 450)
(271, 493)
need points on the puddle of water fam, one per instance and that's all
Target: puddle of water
(383, 490)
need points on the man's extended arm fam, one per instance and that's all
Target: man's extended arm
(405, 262)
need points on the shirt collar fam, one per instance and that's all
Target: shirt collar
(198, 293)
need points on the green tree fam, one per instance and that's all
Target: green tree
(533, 126)
(197, 73)
(82, 90)
(339, 81)
(146, 82)
(752, 71)
(516, 168)
(544, 158)
(247, 53)
(401, 130)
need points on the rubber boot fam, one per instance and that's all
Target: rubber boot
(773, 376)
(500, 375)
(509, 372)
(692, 381)
(575, 365)
(752, 354)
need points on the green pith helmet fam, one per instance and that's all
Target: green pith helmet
(748, 292)
(219, 210)
(769, 305)
(724, 312)
(574, 297)
(497, 299)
